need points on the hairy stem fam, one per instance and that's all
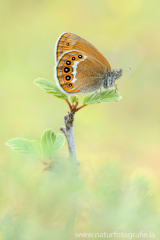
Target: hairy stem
(68, 132)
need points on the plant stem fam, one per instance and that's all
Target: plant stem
(68, 132)
(82, 106)
(70, 106)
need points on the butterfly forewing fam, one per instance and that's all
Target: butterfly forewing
(77, 72)
(70, 42)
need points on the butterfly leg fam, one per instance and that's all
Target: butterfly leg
(115, 85)
(100, 96)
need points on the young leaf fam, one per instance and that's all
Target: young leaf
(73, 99)
(106, 96)
(50, 88)
(59, 142)
(47, 142)
(37, 150)
(25, 147)
(51, 143)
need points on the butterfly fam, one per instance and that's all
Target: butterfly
(81, 68)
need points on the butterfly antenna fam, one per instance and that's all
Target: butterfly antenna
(127, 70)
(126, 67)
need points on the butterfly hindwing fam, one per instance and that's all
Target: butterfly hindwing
(71, 42)
(77, 72)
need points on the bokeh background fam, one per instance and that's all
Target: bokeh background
(124, 135)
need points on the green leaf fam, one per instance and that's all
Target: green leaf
(106, 96)
(73, 99)
(59, 142)
(37, 150)
(47, 141)
(25, 147)
(51, 143)
(50, 88)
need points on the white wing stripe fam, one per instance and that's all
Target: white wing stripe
(75, 67)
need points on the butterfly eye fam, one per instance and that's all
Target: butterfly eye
(80, 56)
(67, 44)
(68, 62)
(73, 58)
(66, 69)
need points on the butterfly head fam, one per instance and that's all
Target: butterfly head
(112, 76)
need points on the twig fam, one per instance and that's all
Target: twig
(70, 106)
(68, 132)
(77, 109)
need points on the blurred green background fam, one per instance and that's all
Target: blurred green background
(125, 134)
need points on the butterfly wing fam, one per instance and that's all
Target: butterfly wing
(70, 42)
(77, 72)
